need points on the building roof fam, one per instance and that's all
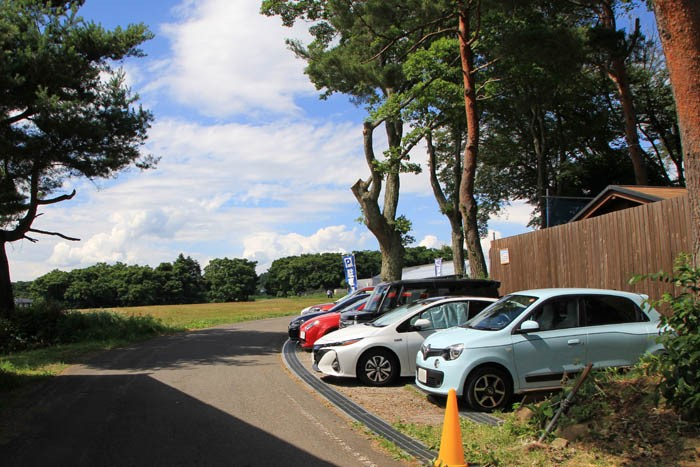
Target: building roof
(618, 197)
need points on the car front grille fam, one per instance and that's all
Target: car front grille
(434, 378)
(293, 331)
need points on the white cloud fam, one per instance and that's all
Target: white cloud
(516, 212)
(431, 241)
(228, 59)
(265, 247)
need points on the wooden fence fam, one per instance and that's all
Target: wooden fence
(602, 252)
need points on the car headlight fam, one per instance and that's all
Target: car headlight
(453, 352)
(343, 343)
(312, 324)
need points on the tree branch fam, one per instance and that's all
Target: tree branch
(57, 199)
(56, 234)
(17, 118)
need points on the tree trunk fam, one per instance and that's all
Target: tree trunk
(617, 72)
(450, 207)
(7, 301)
(382, 224)
(537, 132)
(457, 245)
(678, 22)
(477, 263)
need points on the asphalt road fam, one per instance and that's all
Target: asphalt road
(217, 397)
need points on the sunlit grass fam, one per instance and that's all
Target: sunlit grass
(205, 315)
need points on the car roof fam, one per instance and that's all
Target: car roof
(557, 292)
(439, 279)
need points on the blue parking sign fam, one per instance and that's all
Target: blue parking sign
(350, 271)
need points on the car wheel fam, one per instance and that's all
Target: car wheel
(488, 389)
(377, 367)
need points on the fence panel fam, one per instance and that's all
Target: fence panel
(603, 252)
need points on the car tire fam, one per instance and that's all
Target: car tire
(488, 389)
(377, 367)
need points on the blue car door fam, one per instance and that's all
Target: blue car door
(559, 347)
(618, 332)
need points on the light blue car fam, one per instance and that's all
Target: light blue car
(528, 340)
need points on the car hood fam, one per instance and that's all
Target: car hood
(469, 337)
(308, 316)
(323, 318)
(345, 334)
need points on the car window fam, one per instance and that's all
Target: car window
(501, 313)
(557, 313)
(476, 307)
(410, 295)
(600, 310)
(396, 314)
(444, 316)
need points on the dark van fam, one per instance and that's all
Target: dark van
(388, 295)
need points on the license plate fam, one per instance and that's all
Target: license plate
(422, 375)
(302, 335)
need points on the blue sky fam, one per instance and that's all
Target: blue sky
(253, 164)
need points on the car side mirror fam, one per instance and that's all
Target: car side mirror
(529, 326)
(422, 323)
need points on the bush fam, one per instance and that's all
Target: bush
(679, 365)
(46, 324)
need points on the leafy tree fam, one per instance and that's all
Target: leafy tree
(298, 274)
(348, 55)
(51, 287)
(613, 49)
(678, 22)
(64, 112)
(368, 263)
(656, 112)
(230, 280)
(188, 274)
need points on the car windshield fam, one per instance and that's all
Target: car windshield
(376, 298)
(502, 313)
(398, 313)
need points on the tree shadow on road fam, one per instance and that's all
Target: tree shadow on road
(229, 345)
(134, 420)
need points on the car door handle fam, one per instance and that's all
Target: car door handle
(574, 341)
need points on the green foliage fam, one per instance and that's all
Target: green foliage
(104, 285)
(230, 280)
(298, 274)
(65, 111)
(47, 324)
(680, 363)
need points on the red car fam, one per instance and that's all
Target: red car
(328, 306)
(318, 327)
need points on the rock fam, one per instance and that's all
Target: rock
(560, 443)
(524, 414)
(574, 432)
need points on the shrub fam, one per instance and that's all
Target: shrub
(46, 324)
(679, 365)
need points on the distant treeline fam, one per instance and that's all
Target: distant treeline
(222, 280)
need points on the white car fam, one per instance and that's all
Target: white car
(380, 351)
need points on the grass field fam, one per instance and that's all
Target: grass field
(22, 368)
(212, 314)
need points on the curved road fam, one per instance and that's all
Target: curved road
(207, 398)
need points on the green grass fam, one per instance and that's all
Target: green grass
(206, 315)
(19, 369)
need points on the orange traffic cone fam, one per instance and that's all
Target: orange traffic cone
(451, 452)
